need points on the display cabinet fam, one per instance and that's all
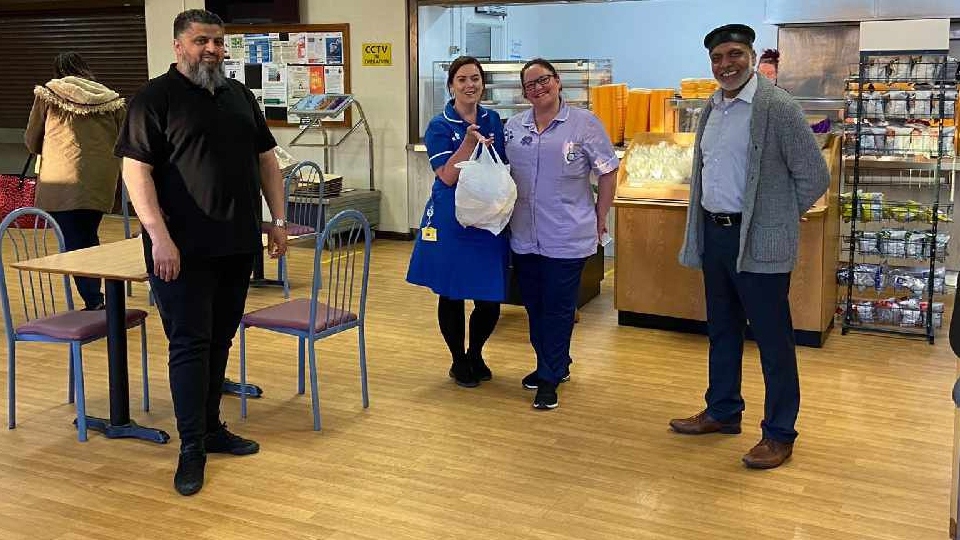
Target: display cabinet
(504, 94)
(652, 289)
(687, 113)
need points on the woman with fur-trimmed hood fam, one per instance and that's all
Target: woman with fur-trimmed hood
(74, 125)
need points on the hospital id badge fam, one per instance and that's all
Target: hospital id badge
(428, 234)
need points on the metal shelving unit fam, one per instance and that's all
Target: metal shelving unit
(316, 112)
(895, 138)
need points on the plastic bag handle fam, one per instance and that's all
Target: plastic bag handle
(493, 152)
(476, 152)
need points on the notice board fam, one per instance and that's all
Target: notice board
(281, 63)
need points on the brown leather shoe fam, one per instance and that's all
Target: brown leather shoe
(768, 454)
(702, 423)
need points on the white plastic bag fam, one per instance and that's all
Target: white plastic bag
(485, 191)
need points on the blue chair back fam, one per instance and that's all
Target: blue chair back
(303, 193)
(40, 293)
(340, 275)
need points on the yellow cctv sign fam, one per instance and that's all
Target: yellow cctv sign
(377, 54)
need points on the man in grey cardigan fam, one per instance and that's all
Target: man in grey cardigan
(757, 170)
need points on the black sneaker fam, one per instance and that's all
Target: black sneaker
(546, 397)
(531, 381)
(222, 441)
(463, 375)
(479, 367)
(189, 477)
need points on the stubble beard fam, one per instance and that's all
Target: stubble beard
(740, 83)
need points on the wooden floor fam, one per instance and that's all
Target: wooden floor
(430, 460)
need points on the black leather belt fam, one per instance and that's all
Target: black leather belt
(724, 220)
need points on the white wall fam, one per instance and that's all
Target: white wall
(653, 44)
(523, 26)
(381, 91)
(159, 15)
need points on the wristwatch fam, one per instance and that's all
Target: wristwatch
(282, 223)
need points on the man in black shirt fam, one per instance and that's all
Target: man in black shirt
(196, 151)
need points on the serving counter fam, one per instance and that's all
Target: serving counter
(652, 289)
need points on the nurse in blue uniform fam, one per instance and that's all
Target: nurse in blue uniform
(461, 263)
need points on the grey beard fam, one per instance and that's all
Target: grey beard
(208, 78)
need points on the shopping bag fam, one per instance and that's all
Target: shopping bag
(485, 192)
(18, 191)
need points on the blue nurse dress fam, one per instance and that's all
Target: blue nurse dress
(465, 262)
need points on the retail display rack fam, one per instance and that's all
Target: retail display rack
(900, 158)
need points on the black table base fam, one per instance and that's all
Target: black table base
(236, 389)
(120, 426)
(128, 431)
(258, 280)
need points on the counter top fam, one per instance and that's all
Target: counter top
(818, 209)
(420, 147)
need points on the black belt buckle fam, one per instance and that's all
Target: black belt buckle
(724, 220)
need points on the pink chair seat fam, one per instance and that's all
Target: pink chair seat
(292, 229)
(295, 315)
(77, 325)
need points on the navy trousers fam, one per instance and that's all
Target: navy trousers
(549, 288)
(80, 231)
(733, 298)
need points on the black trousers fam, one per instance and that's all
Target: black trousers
(201, 311)
(483, 320)
(763, 299)
(80, 231)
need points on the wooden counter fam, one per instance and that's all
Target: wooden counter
(652, 289)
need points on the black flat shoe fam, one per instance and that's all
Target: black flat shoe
(546, 397)
(479, 367)
(463, 375)
(531, 381)
(222, 441)
(189, 477)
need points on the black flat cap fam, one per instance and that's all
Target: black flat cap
(740, 33)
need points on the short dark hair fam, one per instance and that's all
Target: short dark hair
(72, 64)
(200, 16)
(770, 56)
(538, 62)
(459, 63)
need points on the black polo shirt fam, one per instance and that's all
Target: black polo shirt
(204, 149)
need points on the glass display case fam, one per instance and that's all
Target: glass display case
(503, 93)
(656, 167)
(687, 113)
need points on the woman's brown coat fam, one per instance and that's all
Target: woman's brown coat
(74, 125)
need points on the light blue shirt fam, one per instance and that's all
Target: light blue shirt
(726, 149)
(555, 213)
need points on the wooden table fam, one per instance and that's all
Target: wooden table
(115, 263)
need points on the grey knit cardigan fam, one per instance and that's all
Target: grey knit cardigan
(786, 174)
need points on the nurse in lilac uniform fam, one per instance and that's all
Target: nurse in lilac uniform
(556, 225)
(457, 262)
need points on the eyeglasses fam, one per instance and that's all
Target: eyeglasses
(539, 81)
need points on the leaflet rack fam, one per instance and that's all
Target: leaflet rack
(314, 110)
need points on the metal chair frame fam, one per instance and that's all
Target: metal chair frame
(335, 288)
